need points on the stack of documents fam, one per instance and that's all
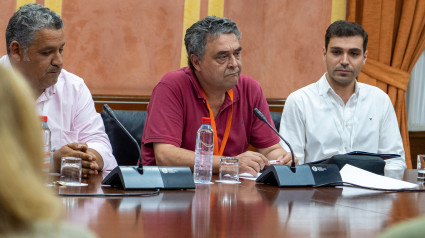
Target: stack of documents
(360, 177)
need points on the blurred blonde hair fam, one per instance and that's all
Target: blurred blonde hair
(24, 197)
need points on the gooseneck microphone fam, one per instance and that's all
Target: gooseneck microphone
(146, 177)
(112, 115)
(305, 175)
(263, 118)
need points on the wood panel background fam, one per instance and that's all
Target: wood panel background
(124, 47)
(417, 145)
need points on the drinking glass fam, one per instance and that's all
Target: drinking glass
(421, 167)
(71, 170)
(229, 169)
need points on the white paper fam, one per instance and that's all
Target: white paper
(228, 181)
(248, 176)
(354, 175)
(71, 184)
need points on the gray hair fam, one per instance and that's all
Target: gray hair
(27, 21)
(209, 27)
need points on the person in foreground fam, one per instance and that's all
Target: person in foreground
(211, 87)
(413, 228)
(337, 114)
(35, 42)
(27, 206)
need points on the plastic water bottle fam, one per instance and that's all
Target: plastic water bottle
(204, 149)
(47, 144)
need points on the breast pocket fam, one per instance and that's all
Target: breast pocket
(367, 131)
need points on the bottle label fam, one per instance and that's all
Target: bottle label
(47, 161)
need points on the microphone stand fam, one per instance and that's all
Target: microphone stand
(147, 177)
(297, 176)
(263, 118)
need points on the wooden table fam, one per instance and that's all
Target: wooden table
(244, 210)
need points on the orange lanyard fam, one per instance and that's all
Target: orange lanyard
(213, 125)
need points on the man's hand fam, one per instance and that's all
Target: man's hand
(276, 152)
(252, 162)
(286, 159)
(78, 150)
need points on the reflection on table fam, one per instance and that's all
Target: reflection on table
(243, 210)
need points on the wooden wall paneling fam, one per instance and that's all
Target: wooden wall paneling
(125, 47)
(417, 145)
(141, 103)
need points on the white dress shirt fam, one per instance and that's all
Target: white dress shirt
(318, 125)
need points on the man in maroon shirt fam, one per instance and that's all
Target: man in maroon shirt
(212, 87)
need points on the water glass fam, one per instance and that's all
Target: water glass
(71, 170)
(421, 167)
(229, 169)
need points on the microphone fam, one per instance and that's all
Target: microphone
(297, 176)
(263, 118)
(146, 177)
(111, 114)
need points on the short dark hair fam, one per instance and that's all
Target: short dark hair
(27, 20)
(211, 26)
(343, 29)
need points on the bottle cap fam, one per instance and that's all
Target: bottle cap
(43, 118)
(206, 120)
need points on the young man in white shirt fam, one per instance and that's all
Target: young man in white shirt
(337, 114)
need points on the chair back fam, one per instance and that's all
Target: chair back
(276, 116)
(125, 130)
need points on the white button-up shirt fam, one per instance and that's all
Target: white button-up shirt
(318, 125)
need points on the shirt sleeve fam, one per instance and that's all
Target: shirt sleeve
(390, 141)
(292, 127)
(91, 129)
(165, 120)
(261, 135)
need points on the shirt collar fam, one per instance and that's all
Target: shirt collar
(6, 61)
(195, 84)
(197, 88)
(50, 90)
(47, 94)
(325, 87)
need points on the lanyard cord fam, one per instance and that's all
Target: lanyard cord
(213, 125)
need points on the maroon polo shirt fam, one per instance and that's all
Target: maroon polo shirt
(177, 106)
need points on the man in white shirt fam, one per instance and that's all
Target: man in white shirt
(35, 42)
(337, 114)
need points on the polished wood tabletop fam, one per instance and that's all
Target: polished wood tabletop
(247, 209)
